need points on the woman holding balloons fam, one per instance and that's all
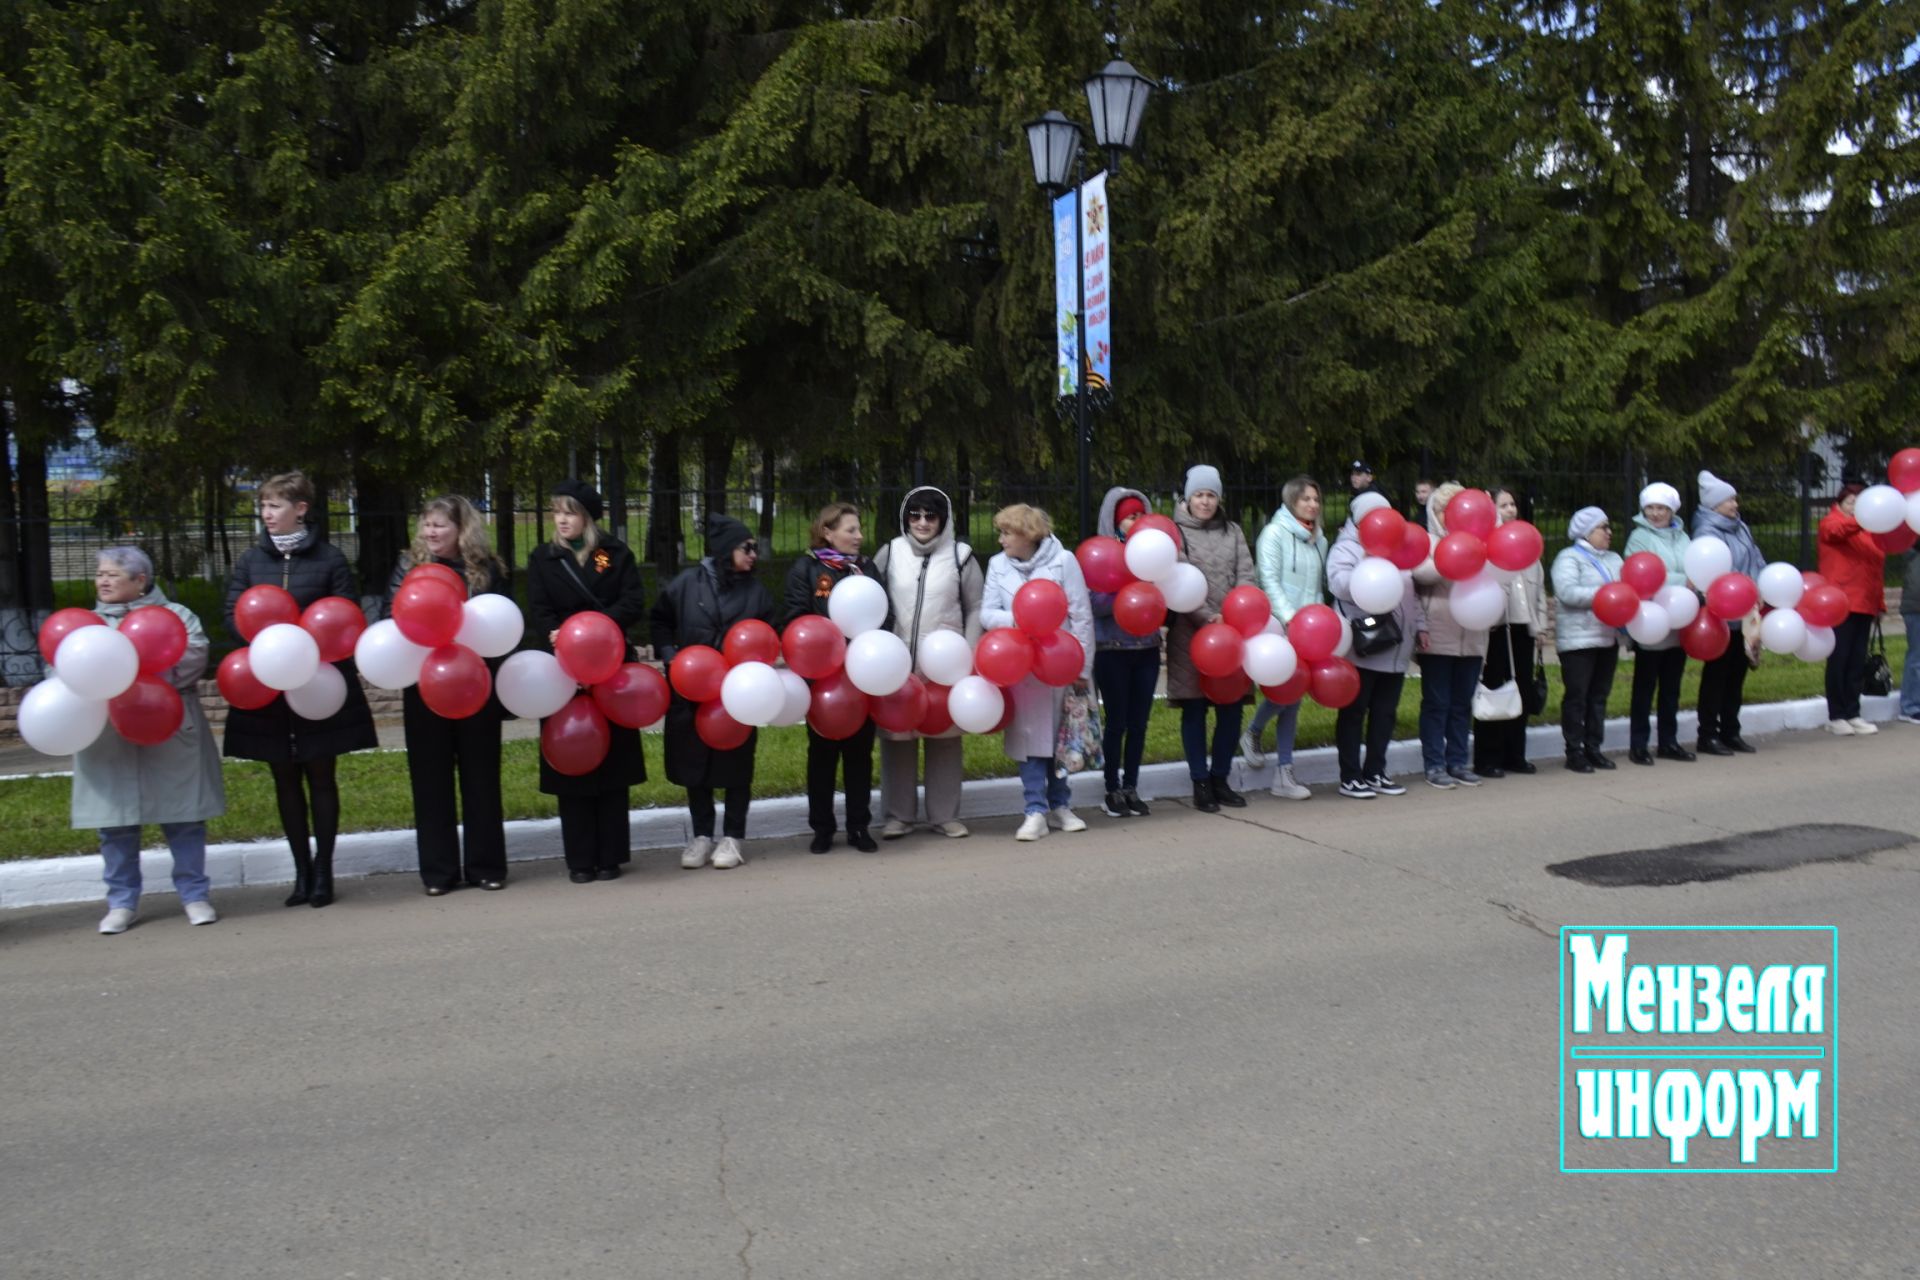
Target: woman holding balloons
(584, 570)
(1450, 664)
(1216, 546)
(1363, 582)
(1126, 664)
(150, 773)
(300, 750)
(1723, 679)
(1589, 648)
(452, 535)
(1291, 561)
(1658, 664)
(696, 611)
(1851, 560)
(833, 557)
(1500, 746)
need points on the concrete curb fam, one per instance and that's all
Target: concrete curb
(50, 881)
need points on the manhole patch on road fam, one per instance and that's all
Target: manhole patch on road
(1730, 856)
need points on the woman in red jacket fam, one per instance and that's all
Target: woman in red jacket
(1851, 560)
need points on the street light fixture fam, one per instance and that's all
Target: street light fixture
(1117, 98)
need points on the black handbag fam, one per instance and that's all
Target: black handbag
(1533, 697)
(1375, 633)
(1879, 681)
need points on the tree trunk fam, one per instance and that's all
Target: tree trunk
(614, 472)
(505, 516)
(716, 459)
(663, 507)
(766, 503)
(383, 508)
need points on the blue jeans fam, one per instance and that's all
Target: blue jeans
(1126, 678)
(120, 848)
(1286, 722)
(1910, 673)
(1044, 786)
(1193, 738)
(1446, 709)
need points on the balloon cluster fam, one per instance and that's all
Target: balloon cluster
(1891, 511)
(102, 676)
(1475, 556)
(290, 652)
(1802, 607)
(589, 650)
(1145, 574)
(439, 640)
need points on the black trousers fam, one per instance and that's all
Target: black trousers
(1656, 670)
(827, 759)
(437, 750)
(594, 831)
(1722, 681)
(700, 808)
(1502, 744)
(1847, 666)
(1587, 677)
(1370, 715)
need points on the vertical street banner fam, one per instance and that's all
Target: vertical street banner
(1066, 301)
(1094, 220)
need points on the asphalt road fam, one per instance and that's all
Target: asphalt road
(1314, 1039)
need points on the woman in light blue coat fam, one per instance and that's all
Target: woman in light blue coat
(1589, 648)
(1658, 666)
(1290, 564)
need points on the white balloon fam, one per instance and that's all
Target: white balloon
(387, 658)
(321, 696)
(56, 721)
(1274, 626)
(1151, 555)
(1783, 631)
(945, 656)
(1880, 508)
(1781, 585)
(1817, 647)
(96, 662)
(1913, 511)
(284, 656)
(1706, 558)
(1478, 603)
(1185, 588)
(1651, 624)
(754, 694)
(878, 662)
(1270, 659)
(1343, 647)
(976, 703)
(796, 699)
(532, 685)
(1681, 604)
(1376, 585)
(491, 625)
(857, 605)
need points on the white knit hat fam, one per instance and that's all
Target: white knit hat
(1664, 494)
(1366, 503)
(1714, 490)
(1585, 521)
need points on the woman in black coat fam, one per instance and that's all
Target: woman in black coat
(300, 752)
(836, 539)
(452, 533)
(582, 570)
(698, 607)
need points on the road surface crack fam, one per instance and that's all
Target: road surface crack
(726, 1196)
(1671, 813)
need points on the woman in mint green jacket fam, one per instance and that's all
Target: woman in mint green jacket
(1658, 666)
(1290, 563)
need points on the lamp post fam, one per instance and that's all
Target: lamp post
(1116, 98)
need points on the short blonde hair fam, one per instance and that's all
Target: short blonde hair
(830, 515)
(1028, 522)
(1442, 495)
(290, 487)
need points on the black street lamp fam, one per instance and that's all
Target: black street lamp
(1117, 98)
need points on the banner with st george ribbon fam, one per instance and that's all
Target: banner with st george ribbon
(1066, 300)
(1094, 262)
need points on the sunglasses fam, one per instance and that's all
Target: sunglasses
(916, 516)
(751, 548)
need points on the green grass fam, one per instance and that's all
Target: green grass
(33, 811)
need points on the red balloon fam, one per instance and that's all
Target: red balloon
(455, 682)
(1058, 658)
(239, 686)
(1515, 545)
(751, 641)
(261, 607)
(839, 708)
(1004, 656)
(62, 623)
(1039, 607)
(335, 623)
(1645, 572)
(1103, 563)
(1615, 604)
(1217, 649)
(1415, 546)
(938, 719)
(1824, 605)
(1459, 556)
(1705, 638)
(1336, 682)
(1165, 524)
(1894, 541)
(439, 573)
(1809, 580)
(718, 729)
(1247, 610)
(697, 672)
(1225, 690)
(1292, 689)
(902, 710)
(591, 646)
(575, 738)
(1315, 630)
(158, 636)
(1472, 511)
(1903, 473)
(1382, 531)
(1731, 595)
(633, 697)
(429, 612)
(1140, 609)
(814, 647)
(149, 712)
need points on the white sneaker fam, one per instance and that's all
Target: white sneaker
(1863, 727)
(1250, 750)
(697, 854)
(201, 913)
(1839, 728)
(116, 920)
(953, 830)
(1032, 827)
(728, 854)
(1909, 717)
(894, 829)
(1065, 819)
(1285, 788)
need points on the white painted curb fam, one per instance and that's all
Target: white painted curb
(48, 881)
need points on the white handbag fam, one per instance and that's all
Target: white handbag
(1502, 703)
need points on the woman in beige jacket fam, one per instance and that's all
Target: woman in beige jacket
(1500, 746)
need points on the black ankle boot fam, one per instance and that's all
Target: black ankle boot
(1577, 762)
(302, 880)
(1203, 796)
(322, 882)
